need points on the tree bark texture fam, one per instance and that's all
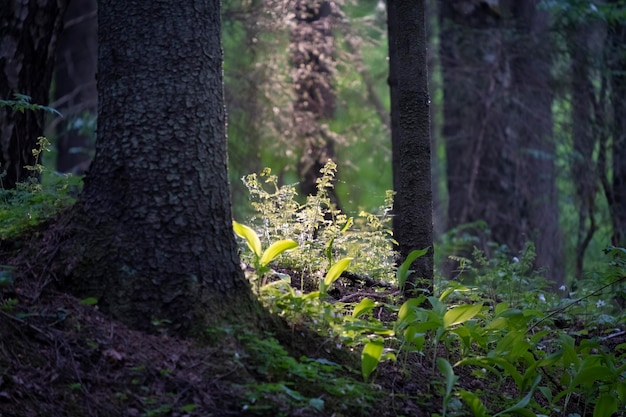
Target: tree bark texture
(617, 65)
(155, 239)
(497, 125)
(312, 49)
(28, 38)
(410, 136)
(76, 95)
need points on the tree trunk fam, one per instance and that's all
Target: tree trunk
(617, 65)
(154, 236)
(76, 96)
(311, 50)
(533, 124)
(497, 125)
(28, 39)
(410, 137)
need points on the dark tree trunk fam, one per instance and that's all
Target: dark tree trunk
(497, 127)
(617, 67)
(583, 140)
(533, 124)
(28, 40)
(76, 96)
(312, 50)
(154, 235)
(410, 137)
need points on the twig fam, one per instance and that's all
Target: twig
(365, 279)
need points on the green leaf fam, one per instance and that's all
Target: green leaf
(520, 407)
(370, 358)
(365, 306)
(605, 406)
(90, 301)
(250, 236)
(402, 274)
(276, 249)
(461, 314)
(473, 402)
(446, 369)
(335, 271)
(588, 375)
(317, 404)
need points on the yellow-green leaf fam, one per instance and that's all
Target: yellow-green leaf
(370, 358)
(365, 306)
(461, 314)
(335, 271)
(276, 249)
(250, 236)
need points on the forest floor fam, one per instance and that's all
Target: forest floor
(63, 357)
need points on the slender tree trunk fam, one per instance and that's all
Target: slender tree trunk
(76, 96)
(154, 239)
(410, 137)
(583, 140)
(532, 81)
(618, 94)
(312, 49)
(28, 38)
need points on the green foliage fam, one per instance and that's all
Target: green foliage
(298, 383)
(22, 103)
(322, 232)
(32, 202)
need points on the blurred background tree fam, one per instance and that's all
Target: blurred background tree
(528, 119)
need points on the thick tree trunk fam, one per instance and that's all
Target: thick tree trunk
(497, 127)
(76, 96)
(155, 239)
(28, 39)
(410, 136)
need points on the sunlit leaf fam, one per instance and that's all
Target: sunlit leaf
(370, 358)
(461, 314)
(276, 249)
(250, 236)
(335, 271)
(365, 306)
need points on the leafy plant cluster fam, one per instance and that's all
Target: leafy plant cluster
(321, 231)
(493, 326)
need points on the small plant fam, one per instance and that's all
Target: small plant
(262, 259)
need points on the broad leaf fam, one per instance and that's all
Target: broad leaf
(473, 402)
(365, 306)
(370, 358)
(461, 314)
(605, 406)
(250, 236)
(403, 271)
(335, 271)
(276, 249)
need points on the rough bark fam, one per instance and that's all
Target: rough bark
(76, 96)
(154, 236)
(617, 64)
(410, 136)
(28, 38)
(312, 48)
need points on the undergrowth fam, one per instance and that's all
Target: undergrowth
(496, 324)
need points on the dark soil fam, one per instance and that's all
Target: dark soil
(61, 358)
